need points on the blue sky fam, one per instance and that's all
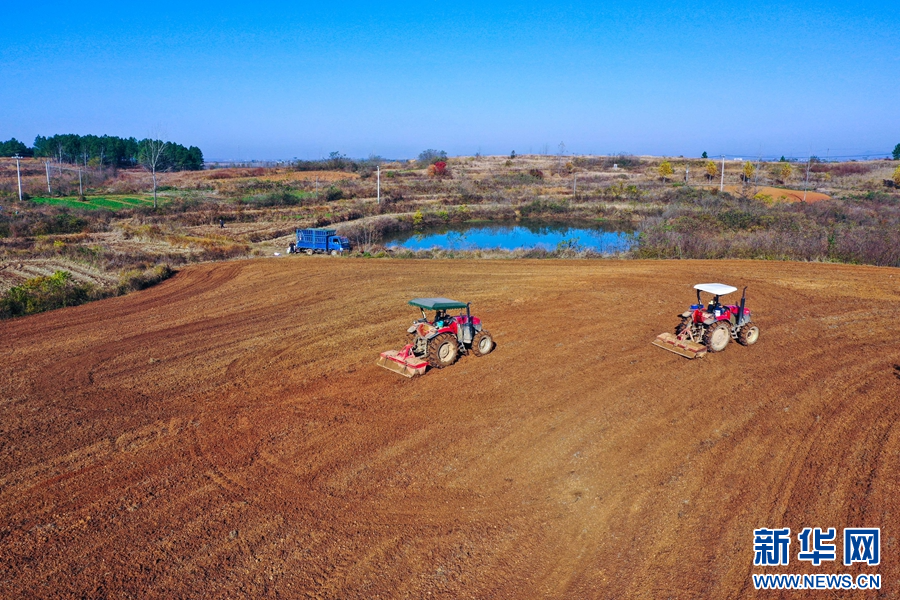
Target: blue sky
(281, 80)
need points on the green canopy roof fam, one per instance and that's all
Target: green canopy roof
(437, 303)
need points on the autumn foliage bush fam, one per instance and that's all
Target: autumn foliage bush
(438, 169)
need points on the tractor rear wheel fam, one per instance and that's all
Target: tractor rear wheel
(482, 343)
(717, 336)
(748, 335)
(443, 350)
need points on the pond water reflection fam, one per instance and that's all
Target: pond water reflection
(514, 236)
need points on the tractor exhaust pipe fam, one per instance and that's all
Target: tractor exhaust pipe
(741, 316)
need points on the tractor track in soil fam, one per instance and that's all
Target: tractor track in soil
(227, 433)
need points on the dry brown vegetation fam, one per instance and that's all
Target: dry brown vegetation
(260, 208)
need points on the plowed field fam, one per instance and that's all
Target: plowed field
(226, 434)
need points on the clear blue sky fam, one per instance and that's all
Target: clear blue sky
(279, 80)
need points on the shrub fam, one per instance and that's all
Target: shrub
(785, 171)
(665, 170)
(748, 171)
(765, 199)
(896, 176)
(623, 161)
(543, 206)
(44, 293)
(711, 170)
(335, 162)
(842, 169)
(431, 156)
(333, 193)
(439, 169)
(63, 222)
(136, 279)
(536, 173)
(273, 199)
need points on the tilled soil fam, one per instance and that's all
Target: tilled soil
(781, 194)
(227, 434)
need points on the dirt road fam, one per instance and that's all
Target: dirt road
(226, 434)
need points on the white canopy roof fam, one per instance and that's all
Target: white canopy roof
(719, 289)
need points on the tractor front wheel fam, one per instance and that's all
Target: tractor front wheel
(482, 343)
(748, 335)
(717, 336)
(443, 350)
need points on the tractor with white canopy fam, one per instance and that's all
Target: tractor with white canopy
(709, 328)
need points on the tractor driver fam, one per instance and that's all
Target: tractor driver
(439, 316)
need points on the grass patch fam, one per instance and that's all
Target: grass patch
(113, 203)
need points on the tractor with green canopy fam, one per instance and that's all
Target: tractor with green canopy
(438, 341)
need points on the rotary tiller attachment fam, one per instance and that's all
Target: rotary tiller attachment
(682, 347)
(404, 362)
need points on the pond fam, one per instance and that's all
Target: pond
(514, 236)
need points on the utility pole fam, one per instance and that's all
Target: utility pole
(18, 176)
(379, 184)
(722, 183)
(317, 187)
(575, 185)
(806, 184)
(81, 187)
(47, 167)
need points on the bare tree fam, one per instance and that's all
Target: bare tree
(366, 236)
(151, 157)
(59, 156)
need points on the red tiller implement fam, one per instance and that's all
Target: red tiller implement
(404, 362)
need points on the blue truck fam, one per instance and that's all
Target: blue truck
(320, 241)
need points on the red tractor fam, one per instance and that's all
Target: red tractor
(438, 342)
(711, 327)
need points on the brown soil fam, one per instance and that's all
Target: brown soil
(780, 194)
(227, 434)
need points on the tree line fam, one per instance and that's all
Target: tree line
(105, 150)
